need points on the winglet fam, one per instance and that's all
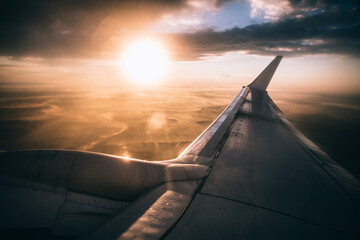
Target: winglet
(263, 80)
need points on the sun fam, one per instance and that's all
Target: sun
(145, 61)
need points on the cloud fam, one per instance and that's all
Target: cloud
(333, 31)
(93, 29)
(269, 9)
(66, 28)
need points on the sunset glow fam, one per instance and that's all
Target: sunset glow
(145, 61)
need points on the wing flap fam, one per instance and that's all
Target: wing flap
(151, 216)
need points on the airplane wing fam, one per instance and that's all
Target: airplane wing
(250, 175)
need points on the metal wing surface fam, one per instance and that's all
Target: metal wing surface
(250, 175)
(268, 181)
(265, 181)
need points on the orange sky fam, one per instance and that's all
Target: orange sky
(80, 44)
(323, 73)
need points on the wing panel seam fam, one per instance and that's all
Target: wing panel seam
(272, 210)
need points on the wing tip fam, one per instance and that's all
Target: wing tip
(263, 80)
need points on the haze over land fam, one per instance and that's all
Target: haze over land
(157, 124)
(62, 84)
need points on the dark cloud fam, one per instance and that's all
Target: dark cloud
(220, 3)
(328, 4)
(333, 31)
(50, 28)
(82, 29)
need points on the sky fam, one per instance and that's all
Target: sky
(319, 39)
(60, 59)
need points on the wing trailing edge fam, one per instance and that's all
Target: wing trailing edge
(263, 80)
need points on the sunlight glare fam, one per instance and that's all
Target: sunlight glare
(145, 61)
